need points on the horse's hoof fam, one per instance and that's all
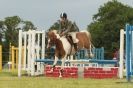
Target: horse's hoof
(91, 55)
(51, 71)
(60, 76)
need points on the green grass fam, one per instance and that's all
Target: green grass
(10, 80)
(6, 73)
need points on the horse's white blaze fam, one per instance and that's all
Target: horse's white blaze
(48, 45)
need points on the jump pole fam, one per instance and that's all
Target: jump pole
(0, 58)
(121, 53)
(25, 51)
(20, 53)
(33, 53)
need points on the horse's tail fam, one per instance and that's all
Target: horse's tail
(90, 39)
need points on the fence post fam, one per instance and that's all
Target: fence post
(12, 57)
(20, 52)
(121, 53)
(128, 51)
(0, 58)
(16, 58)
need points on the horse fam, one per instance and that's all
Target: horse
(64, 47)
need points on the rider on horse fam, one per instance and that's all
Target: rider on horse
(67, 28)
(64, 45)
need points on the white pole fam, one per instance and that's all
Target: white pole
(25, 44)
(43, 45)
(121, 53)
(29, 51)
(33, 54)
(43, 50)
(71, 58)
(38, 48)
(20, 53)
(38, 45)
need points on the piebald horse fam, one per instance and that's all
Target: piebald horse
(63, 47)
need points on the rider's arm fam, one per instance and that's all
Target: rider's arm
(68, 27)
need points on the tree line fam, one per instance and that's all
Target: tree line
(9, 29)
(106, 25)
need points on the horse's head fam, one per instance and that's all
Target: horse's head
(52, 36)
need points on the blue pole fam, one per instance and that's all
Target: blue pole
(131, 59)
(102, 54)
(128, 52)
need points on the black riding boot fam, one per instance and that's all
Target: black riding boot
(75, 46)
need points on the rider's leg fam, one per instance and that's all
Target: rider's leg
(75, 40)
(73, 34)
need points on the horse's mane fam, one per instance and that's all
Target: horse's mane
(55, 32)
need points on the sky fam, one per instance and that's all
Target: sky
(44, 13)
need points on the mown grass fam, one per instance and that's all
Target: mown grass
(10, 80)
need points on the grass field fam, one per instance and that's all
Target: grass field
(10, 80)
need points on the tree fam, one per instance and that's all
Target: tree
(28, 25)
(106, 25)
(55, 26)
(9, 29)
(1, 32)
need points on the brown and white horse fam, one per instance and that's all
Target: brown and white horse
(63, 48)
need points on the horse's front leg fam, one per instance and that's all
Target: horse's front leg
(54, 64)
(62, 66)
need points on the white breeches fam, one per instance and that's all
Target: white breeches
(73, 34)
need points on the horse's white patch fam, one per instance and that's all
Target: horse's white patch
(55, 61)
(83, 31)
(73, 34)
(55, 31)
(66, 44)
(48, 45)
(57, 35)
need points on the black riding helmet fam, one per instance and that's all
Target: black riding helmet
(63, 15)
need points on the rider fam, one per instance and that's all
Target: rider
(66, 27)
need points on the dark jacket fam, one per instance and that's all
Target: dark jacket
(67, 26)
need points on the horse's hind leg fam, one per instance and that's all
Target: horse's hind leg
(90, 52)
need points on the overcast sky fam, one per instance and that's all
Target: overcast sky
(43, 13)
